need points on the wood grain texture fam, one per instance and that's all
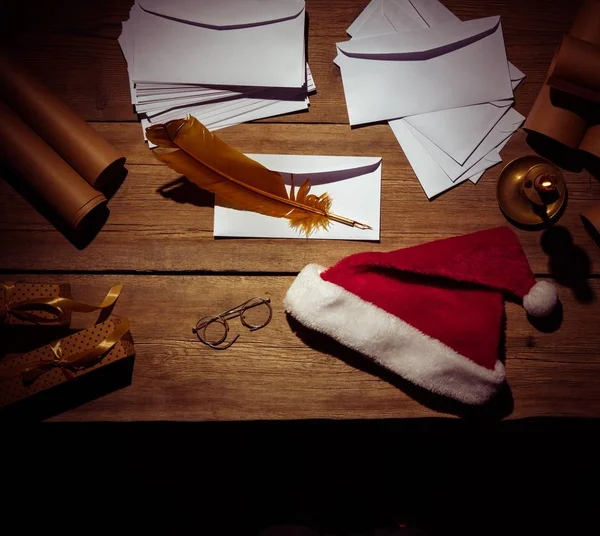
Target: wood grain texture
(275, 373)
(174, 233)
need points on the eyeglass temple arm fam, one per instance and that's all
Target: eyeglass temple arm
(239, 309)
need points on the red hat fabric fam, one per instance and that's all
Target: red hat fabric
(431, 313)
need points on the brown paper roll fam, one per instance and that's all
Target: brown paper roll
(591, 141)
(560, 124)
(86, 151)
(587, 23)
(577, 69)
(591, 220)
(44, 171)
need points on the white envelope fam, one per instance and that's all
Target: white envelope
(516, 75)
(156, 95)
(257, 99)
(243, 110)
(270, 110)
(433, 12)
(459, 130)
(211, 112)
(153, 106)
(436, 180)
(364, 15)
(353, 182)
(432, 178)
(507, 126)
(494, 154)
(402, 14)
(382, 17)
(229, 43)
(397, 75)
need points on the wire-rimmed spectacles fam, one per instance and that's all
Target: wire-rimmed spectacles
(214, 330)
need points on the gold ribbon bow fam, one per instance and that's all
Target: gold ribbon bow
(58, 306)
(68, 364)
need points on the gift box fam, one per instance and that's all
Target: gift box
(43, 304)
(65, 361)
(30, 303)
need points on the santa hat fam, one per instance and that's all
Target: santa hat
(431, 313)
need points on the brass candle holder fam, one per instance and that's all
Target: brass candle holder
(531, 191)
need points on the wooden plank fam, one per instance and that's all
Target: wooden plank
(72, 47)
(150, 231)
(275, 374)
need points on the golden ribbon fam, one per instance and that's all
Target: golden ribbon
(58, 306)
(68, 364)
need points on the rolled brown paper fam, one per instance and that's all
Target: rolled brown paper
(591, 141)
(44, 171)
(556, 122)
(587, 22)
(577, 69)
(565, 112)
(96, 160)
(591, 220)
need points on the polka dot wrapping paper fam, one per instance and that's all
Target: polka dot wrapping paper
(14, 388)
(12, 293)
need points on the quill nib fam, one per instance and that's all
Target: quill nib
(351, 223)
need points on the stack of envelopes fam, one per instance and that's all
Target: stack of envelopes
(225, 62)
(444, 86)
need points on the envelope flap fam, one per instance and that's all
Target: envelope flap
(421, 44)
(225, 14)
(434, 12)
(319, 169)
(402, 15)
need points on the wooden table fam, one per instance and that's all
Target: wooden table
(174, 271)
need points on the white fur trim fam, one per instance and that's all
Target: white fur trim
(541, 300)
(391, 342)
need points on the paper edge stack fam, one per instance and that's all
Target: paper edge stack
(373, 23)
(215, 105)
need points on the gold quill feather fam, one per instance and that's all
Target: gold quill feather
(239, 181)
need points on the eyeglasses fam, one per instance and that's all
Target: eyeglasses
(214, 330)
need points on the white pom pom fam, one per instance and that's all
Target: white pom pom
(541, 299)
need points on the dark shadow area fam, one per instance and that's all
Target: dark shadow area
(593, 232)
(20, 339)
(300, 236)
(80, 238)
(442, 477)
(71, 394)
(182, 190)
(550, 323)
(568, 263)
(117, 175)
(592, 164)
(557, 153)
(497, 408)
(104, 314)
